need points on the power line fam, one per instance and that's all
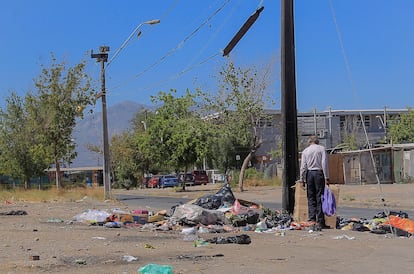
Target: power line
(181, 44)
(176, 76)
(178, 46)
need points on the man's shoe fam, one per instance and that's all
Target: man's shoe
(323, 226)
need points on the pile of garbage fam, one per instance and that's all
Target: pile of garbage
(216, 213)
(393, 222)
(223, 212)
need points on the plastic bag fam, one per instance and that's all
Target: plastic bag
(223, 198)
(193, 214)
(328, 202)
(155, 269)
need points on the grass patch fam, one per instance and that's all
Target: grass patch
(51, 195)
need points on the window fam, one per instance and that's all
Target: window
(342, 122)
(265, 122)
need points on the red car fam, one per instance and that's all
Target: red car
(153, 182)
(200, 177)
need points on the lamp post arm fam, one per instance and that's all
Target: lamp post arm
(124, 44)
(151, 22)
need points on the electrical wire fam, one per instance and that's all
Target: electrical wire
(178, 46)
(348, 68)
(179, 74)
(181, 44)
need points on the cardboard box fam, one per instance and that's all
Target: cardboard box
(300, 213)
(140, 218)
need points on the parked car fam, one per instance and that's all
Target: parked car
(186, 178)
(168, 181)
(153, 182)
(200, 177)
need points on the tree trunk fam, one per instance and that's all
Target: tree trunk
(58, 178)
(185, 172)
(243, 168)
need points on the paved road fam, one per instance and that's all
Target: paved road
(158, 203)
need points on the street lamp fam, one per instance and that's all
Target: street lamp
(102, 57)
(150, 22)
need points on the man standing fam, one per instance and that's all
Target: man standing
(314, 173)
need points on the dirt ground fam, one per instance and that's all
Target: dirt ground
(63, 246)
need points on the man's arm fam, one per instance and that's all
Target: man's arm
(303, 169)
(325, 167)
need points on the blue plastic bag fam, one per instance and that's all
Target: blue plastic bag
(328, 202)
(155, 269)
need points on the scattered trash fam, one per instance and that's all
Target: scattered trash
(80, 261)
(149, 246)
(189, 230)
(238, 239)
(192, 214)
(344, 237)
(99, 238)
(112, 225)
(196, 257)
(55, 220)
(93, 216)
(128, 258)
(14, 212)
(198, 243)
(155, 269)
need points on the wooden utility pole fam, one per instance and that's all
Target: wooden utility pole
(102, 57)
(288, 105)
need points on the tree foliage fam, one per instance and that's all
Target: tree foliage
(42, 123)
(22, 155)
(62, 94)
(239, 106)
(402, 129)
(176, 131)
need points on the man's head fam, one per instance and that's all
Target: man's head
(313, 139)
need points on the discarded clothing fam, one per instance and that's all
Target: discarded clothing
(238, 239)
(14, 212)
(250, 217)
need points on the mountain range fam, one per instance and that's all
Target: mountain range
(88, 131)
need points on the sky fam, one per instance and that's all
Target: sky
(350, 54)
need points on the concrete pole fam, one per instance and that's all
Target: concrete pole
(289, 108)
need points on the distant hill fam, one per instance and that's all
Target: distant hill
(89, 130)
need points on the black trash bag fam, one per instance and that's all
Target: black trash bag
(282, 220)
(223, 197)
(400, 214)
(359, 227)
(242, 239)
(401, 233)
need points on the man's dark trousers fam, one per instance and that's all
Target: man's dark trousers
(315, 182)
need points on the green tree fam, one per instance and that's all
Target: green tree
(239, 106)
(62, 94)
(401, 130)
(177, 135)
(22, 155)
(122, 158)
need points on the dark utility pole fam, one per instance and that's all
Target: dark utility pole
(102, 57)
(289, 109)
